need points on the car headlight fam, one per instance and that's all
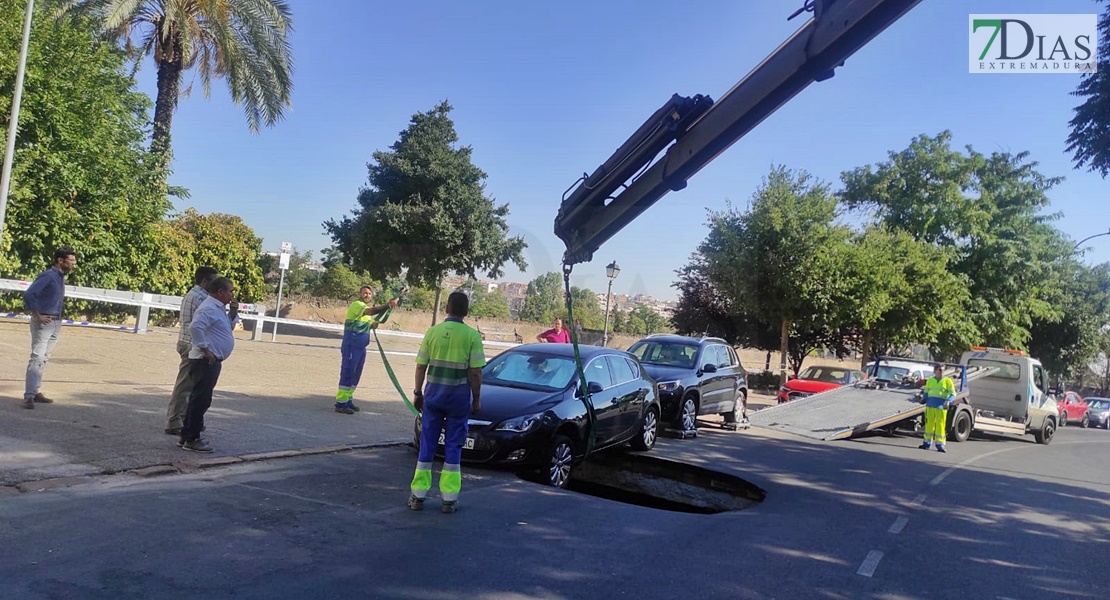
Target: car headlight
(520, 424)
(1104, 415)
(669, 386)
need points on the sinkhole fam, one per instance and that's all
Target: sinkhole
(663, 484)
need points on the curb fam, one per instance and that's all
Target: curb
(187, 466)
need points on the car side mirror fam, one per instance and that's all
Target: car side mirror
(594, 387)
(709, 368)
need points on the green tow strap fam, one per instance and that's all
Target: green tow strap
(584, 391)
(379, 319)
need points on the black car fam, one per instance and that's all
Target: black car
(532, 417)
(695, 376)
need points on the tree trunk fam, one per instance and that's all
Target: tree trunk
(866, 348)
(784, 349)
(435, 309)
(169, 89)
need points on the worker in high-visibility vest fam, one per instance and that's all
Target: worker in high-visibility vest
(939, 391)
(448, 390)
(356, 337)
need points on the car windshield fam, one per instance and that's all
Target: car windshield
(1098, 404)
(673, 354)
(529, 370)
(826, 374)
(890, 373)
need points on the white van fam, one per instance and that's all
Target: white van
(1013, 398)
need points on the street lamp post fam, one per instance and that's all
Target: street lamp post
(611, 271)
(13, 121)
(1090, 237)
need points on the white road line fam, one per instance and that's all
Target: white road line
(867, 569)
(918, 500)
(939, 478)
(899, 525)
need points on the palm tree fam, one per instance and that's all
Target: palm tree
(242, 41)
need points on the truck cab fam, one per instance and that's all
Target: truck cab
(1013, 398)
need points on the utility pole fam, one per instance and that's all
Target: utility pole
(13, 121)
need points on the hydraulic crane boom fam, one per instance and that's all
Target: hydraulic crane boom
(700, 129)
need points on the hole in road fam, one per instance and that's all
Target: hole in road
(663, 484)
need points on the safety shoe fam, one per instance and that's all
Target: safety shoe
(42, 399)
(941, 449)
(449, 507)
(351, 405)
(343, 408)
(28, 403)
(925, 446)
(196, 446)
(416, 503)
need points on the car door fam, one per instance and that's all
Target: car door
(713, 384)
(629, 394)
(604, 400)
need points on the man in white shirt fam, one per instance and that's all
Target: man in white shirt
(179, 398)
(212, 343)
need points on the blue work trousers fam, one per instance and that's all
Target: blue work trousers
(353, 353)
(449, 418)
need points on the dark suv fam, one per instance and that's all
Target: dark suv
(695, 376)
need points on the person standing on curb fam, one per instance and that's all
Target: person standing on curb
(356, 337)
(179, 398)
(939, 391)
(212, 343)
(556, 335)
(43, 299)
(451, 358)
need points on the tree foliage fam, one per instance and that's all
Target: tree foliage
(1089, 140)
(424, 211)
(81, 176)
(227, 244)
(244, 42)
(545, 301)
(485, 303)
(984, 213)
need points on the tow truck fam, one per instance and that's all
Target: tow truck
(998, 391)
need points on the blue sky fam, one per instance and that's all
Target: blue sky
(546, 91)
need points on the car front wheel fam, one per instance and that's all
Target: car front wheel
(560, 462)
(687, 415)
(649, 428)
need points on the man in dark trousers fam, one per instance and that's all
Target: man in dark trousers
(179, 398)
(450, 359)
(43, 299)
(212, 343)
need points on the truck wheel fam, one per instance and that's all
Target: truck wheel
(1044, 436)
(961, 426)
(1084, 422)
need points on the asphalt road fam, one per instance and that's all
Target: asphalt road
(874, 518)
(877, 518)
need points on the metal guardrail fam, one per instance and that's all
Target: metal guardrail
(145, 302)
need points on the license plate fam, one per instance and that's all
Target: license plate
(467, 445)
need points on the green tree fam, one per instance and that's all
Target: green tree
(645, 321)
(544, 299)
(81, 176)
(484, 303)
(424, 211)
(777, 260)
(299, 279)
(244, 42)
(984, 213)
(227, 244)
(1090, 127)
(338, 282)
(1068, 343)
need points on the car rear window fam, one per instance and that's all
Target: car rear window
(671, 354)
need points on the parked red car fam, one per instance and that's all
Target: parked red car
(1073, 409)
(817, 379)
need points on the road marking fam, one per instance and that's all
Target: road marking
(918, 500)
(939, 478)
(867, 569)
(899, 525)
